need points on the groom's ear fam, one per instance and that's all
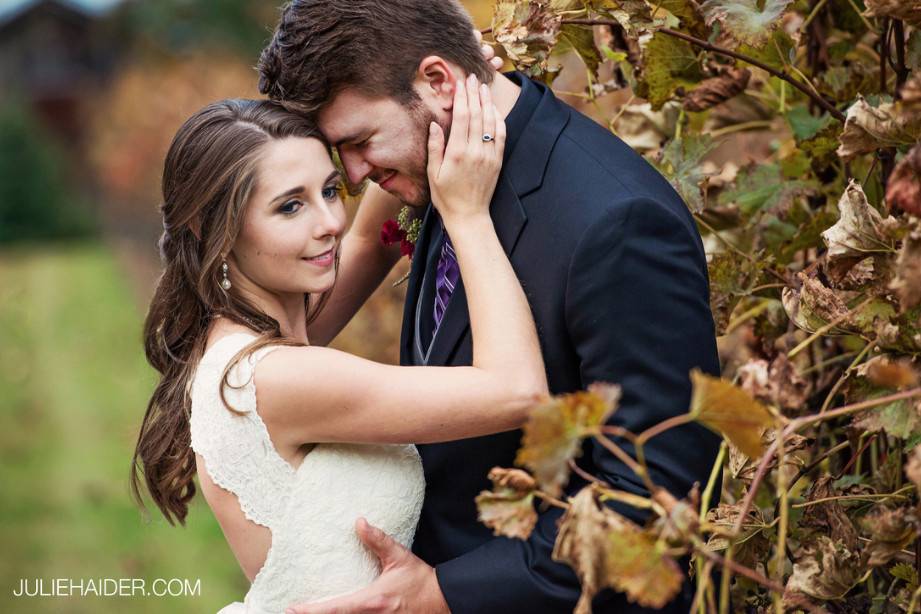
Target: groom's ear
(436, 81)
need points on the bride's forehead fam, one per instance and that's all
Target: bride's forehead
(299, 158)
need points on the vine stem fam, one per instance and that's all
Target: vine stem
(847, 373)
(796, 425)
(781, 487)
(734, 567)
(892, 495)
(703, 580)
(704, 569)
(639, 468)
(551, 499)
(780, 74)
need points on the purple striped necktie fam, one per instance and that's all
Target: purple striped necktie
(446, 276)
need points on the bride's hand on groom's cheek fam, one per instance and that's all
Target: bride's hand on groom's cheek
(406, 585)
(489, 53)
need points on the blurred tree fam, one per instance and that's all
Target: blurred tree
(181, 25)
(35, 201)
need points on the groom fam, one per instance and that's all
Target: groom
(607, 252)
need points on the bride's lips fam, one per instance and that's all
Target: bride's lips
(324, 260)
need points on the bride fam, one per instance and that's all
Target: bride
(293, 442)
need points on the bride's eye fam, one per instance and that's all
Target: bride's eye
(290, 207)
(331, 192)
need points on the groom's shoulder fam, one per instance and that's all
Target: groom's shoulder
(596, 155)
(593, 173)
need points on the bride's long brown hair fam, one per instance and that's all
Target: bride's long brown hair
(209, 175)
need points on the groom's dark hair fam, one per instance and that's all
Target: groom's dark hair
(321, 47)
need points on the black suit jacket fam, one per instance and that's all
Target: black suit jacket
(615, 273)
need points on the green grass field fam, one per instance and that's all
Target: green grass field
(73, 388)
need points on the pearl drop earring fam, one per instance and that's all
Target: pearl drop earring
(225, 281)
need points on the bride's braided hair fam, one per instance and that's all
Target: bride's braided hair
(208, 177)
(323, 46)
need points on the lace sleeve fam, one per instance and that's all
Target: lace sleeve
(235, 445)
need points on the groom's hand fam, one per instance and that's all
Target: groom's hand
(406, 583)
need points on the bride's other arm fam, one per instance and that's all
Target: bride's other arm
(315, 394)
(364, 263)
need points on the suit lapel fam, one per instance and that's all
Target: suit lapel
(509, 218)
(523, 172)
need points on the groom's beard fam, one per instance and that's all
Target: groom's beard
(418, 157)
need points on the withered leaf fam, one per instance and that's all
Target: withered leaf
(508, 509)
(828, 518)
(812, 306)
(890, 530)
(906, 10)
(742, 467)
(527, 31)
(860, 231)
(716, 90)
(913, 467)
(751, 545)
(824, 569)
(907, 280)
(868, 128)
(555, 429)
(607, 550)
(904, 188)
(730, 411)
(887, 372)
(743, 20)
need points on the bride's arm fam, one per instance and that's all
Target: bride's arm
(364, 263)
(315, 394)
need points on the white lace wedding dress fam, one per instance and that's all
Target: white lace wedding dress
(310, 511)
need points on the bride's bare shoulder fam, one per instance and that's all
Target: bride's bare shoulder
(222, 327)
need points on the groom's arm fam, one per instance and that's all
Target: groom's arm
(638, 315)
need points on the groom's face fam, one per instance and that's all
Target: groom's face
(382, 140)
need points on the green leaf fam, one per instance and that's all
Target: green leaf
(668, 64)
(804, 124)
(681, 164)
(774, 53)
(581, 40)
(759, 187)
(731, 278)
(743, 20)
(688, 14)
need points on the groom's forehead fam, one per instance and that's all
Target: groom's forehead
(351, 112)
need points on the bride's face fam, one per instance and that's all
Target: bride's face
(293, 222)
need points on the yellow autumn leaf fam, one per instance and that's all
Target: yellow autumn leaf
(555, 429)
(508, 509)
(730, 411)
(607, 550)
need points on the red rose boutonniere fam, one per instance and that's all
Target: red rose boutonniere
(405, 230)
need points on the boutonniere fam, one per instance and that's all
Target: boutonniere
(405, 231)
